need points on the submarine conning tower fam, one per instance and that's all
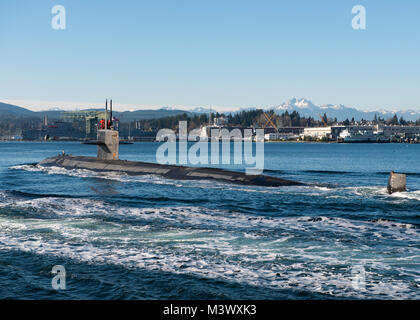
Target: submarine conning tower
(108, 137)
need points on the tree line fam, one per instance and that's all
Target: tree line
(259, 118)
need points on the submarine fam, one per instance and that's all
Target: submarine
(107, 160)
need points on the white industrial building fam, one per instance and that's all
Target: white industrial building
(333, 132)
(323, 132)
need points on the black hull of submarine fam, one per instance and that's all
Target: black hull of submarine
(167, 171)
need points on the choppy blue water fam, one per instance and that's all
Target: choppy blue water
(122, 237)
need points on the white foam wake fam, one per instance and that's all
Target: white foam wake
(274, 252)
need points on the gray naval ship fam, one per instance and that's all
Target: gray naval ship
(107, 160)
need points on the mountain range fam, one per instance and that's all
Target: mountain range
(303, 106)
(308, 109)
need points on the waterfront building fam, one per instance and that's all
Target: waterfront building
(331, 132)
(391, 131)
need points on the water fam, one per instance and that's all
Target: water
(122, 237)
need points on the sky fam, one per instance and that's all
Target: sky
(222, 54)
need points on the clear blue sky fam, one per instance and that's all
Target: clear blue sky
(212, 53)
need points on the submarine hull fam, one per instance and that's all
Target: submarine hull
(167, 171)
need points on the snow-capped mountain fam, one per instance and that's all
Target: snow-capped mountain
(195, 110)
(169, 108)
(202, 110)
(53, 109)
(308, 109)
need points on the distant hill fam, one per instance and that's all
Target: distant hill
(148, 114)
(10, 110)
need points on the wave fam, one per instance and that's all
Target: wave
(312, 253)
(329, 171)
(381, 192)
(413, 195)
(406, 173)
(278, 259)
(390, 223)
(274, 171)
(36, 195)
(188, 215)
(26, 167)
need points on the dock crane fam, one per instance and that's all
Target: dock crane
(269, 120)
